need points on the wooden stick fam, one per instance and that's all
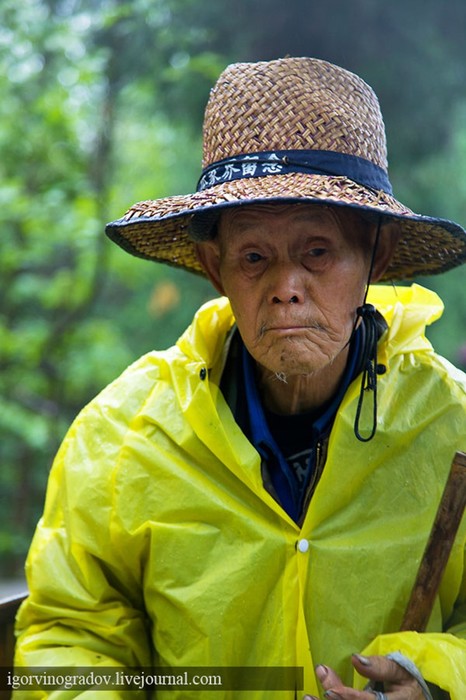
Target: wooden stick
(439, 545)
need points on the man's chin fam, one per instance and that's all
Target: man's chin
(295, 366)
(295, 356)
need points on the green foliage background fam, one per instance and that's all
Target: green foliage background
(101, 105)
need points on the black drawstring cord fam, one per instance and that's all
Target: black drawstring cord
(370, 336)
(367, 313)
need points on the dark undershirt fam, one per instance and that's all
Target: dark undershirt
(294, 439)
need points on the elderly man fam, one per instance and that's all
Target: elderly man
(260, 494)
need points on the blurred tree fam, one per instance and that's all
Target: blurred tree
(102, 104)
(65, 81)
(50, 251)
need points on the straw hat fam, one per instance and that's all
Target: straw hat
(299, 130)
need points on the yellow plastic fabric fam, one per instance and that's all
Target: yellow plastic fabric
(156, 511)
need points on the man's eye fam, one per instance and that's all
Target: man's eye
(254, 257)
(317, 252)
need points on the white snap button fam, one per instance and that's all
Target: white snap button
(303, 545)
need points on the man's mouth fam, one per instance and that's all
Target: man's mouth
(292, 327)
(287, 329)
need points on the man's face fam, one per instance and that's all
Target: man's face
(295, 275)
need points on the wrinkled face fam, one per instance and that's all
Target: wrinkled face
(295, 275)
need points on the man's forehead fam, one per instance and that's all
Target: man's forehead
(341, 222)
(253, 213)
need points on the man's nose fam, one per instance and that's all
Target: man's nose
(286, 284)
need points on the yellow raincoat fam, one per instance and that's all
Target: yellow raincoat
(158, 533)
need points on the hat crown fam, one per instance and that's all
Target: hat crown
(292, 104)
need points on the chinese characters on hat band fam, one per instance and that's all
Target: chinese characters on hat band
(331, 163)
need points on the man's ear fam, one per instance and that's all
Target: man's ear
(208, 254)
(388, 240)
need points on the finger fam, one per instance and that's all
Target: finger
(334, 688)
(328, 678)
(398, 682)
(379, 668)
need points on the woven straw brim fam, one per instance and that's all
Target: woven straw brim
(157, 229)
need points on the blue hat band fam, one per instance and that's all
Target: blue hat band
(328, 163)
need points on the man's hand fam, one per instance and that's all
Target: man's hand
(398, 683)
